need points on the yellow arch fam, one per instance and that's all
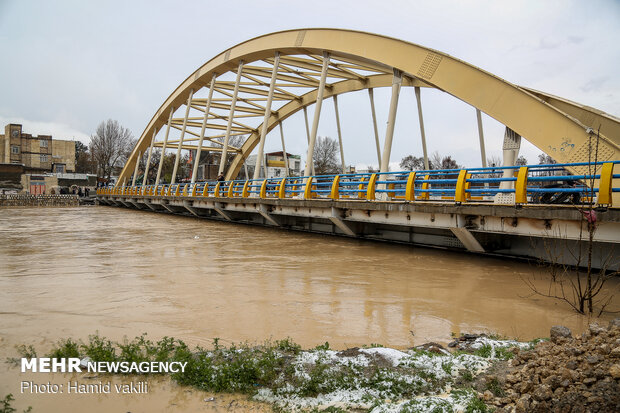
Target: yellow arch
(556, 126)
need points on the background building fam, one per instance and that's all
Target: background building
(38, 154)
(276, 165)
(38, 164)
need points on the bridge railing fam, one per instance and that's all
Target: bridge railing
(540, 184)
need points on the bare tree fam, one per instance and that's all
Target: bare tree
(521, 161)
(434, 162)
(110, 146)
(494, 161)
(412, 163)
(544, 159)
(579, 284)
(448, 163)
(326, 159)
(234, 141)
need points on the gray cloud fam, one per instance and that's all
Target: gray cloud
(594, 84)
(77, 63)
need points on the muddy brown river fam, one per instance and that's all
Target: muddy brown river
(70, 272)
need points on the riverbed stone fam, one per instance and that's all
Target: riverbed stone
(566, 375)
(595, 329)
(523, 404)
(559, 333)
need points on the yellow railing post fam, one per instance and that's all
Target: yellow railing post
(246, 189)
(426, 185)
(263, 189)
(205, 190)
(185, 190)
(467, 186)
(308, 188)
(410, 190)
(177, 190)
(294, 193)
(231, 189)
(335, 192)
(360, 187)
(521, 186)
(282, 189)
(459, 192)
(605, 185)
(370, 190)
(216, 191)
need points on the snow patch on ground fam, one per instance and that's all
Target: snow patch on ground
(381, 379)
(389, 354)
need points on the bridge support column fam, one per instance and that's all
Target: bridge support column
(191, 209)
(467, 239)
(178, 155)
(148, 159)
(135, 170)
(389, 133)
(307, 134)
(220, 211)
(418, 99)
(263, 133)
(339, 134)
(230, 119)
(465, 236)
(374, 124)
(512, 144)
(483, 155)
(262, 209)
(202, 130)
(284, 150)
(163, 149)
(167, 208)
(151, 207)
(336, 219)
(317, 114)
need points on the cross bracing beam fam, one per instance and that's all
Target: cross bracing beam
(214, 105)
(205, 148)
(244, 129)
(550, 123)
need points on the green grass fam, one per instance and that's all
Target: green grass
(494, 387)
(274, 366)
(5, 405)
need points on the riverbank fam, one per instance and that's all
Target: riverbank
(478, 374)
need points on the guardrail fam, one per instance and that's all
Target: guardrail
(518, 185)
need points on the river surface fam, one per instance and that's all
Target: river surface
(70, 272)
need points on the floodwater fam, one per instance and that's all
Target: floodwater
(71, 272)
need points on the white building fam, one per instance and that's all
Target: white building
(276, 165)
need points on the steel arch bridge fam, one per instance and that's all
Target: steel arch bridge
(271, 77)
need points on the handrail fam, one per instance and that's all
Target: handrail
(526, 184)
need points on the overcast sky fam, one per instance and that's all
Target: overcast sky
(68, 65)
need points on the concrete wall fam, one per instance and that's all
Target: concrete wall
(64, 152)
(10, 176)
(44, 183)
